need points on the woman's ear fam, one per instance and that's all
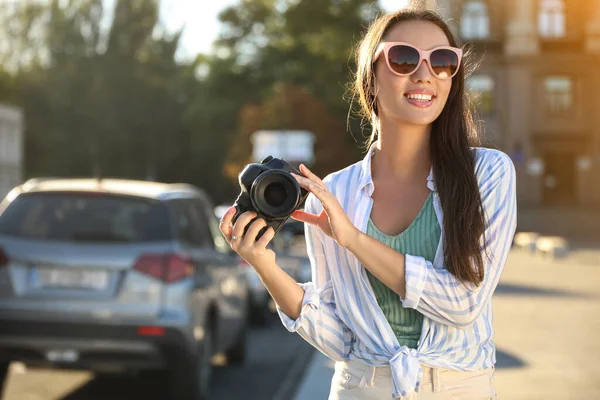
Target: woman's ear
(373, 89)
(373, 95)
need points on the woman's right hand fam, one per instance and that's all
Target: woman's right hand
(333, 220)
(283, 289)
(254, 251)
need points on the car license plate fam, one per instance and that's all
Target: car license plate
(62, 355)
(72, 278)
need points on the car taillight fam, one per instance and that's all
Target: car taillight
(165, 267)
(3, 258)
(151, 331)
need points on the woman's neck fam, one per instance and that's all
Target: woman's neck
(402, 153)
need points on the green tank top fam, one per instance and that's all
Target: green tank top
(421, 238)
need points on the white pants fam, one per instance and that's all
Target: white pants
(354, 380)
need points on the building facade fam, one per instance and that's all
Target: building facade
(11, 148)
(538, 90)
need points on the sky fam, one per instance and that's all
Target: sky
(202, 25)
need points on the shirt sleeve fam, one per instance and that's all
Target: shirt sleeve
(318, 322)
(435, 292)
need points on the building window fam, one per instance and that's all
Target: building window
(482, 88)
(559, 94)
(475, 22)
(551, 19)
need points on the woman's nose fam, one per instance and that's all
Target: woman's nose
(422, 74)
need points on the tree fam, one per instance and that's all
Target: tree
(100, 101)
(292, 107)
(292, 50)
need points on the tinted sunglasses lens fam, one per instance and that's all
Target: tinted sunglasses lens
(444, 63)
(403, 59)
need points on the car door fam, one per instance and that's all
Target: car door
(205, 287)
(233, 289)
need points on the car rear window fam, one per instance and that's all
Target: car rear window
(85, 217)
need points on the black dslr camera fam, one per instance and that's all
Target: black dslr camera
(269, 190)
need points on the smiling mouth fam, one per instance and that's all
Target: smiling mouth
(420, 97)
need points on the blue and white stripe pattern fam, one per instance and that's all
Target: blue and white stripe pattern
(340, 315)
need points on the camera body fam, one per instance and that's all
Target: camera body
(271, 191)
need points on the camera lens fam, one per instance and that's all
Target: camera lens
(275, 194)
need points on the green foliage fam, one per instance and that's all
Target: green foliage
(307, 44)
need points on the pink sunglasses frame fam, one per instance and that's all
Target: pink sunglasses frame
(385, 47)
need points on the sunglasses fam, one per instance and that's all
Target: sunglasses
(404, 59)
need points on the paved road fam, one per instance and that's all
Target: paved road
(268, 372)
(546, 320)
(547, 323)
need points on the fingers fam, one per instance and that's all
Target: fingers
(327, 199)
(248, 243)
(240, 224)
(320, 193)
(225, 223)
(308, 173)
(250, 235)
(302, 181)
(308, 184)
(266, 238)
(303, 216)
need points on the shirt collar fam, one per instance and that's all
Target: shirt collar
(366, 180)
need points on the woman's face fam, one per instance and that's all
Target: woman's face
(392, 91)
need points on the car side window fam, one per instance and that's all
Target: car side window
(201, 223)
(182, 221)
(218, 240)
(189, 223)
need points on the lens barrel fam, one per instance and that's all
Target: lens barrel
(275, 193)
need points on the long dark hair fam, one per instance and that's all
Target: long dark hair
(453, 134)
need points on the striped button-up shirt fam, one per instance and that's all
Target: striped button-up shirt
(340, 315)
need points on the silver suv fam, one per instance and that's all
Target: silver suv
(118, 275)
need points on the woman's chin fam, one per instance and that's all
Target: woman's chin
(416, 119)
(413, 116)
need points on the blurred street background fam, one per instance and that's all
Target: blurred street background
(114, 113)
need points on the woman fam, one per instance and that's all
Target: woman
(408, 245)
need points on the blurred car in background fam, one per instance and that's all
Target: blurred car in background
(294, 227)
(305, 273)
(118, 275)
(260, 299)
(259, 296)
(221, 209)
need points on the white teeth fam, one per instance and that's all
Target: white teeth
(420, 97)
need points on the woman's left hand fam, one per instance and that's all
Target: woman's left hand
(333, 221)
(253, 250)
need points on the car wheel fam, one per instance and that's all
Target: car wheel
(237, 353)
(258, 315)
(193, 382)
(4, 367)
(204, 366)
